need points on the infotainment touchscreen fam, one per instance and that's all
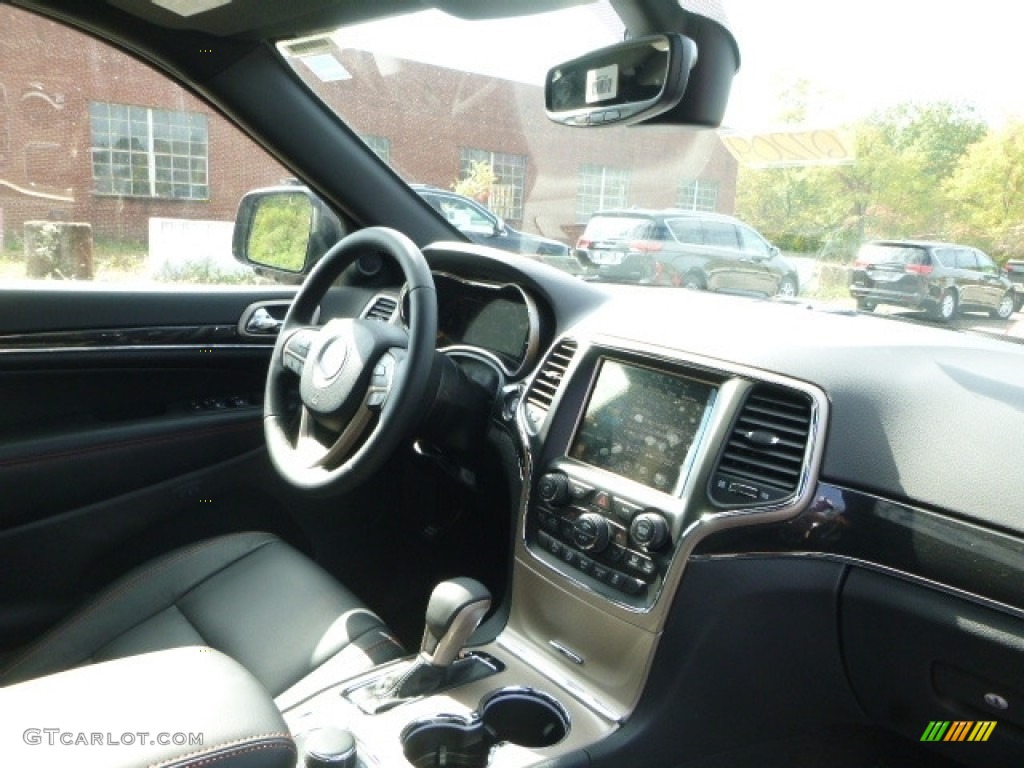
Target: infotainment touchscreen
(641, 424)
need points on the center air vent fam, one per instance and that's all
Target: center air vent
(763, 460)
(547, 381)
(381, 308)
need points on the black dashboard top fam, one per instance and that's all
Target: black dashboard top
(917, 414)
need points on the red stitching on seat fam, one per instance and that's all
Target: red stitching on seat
(232, 753)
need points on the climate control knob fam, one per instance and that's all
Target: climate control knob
(649, 530)
(591, 532)
(553, 488)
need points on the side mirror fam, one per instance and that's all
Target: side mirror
(624, 83)
(283, 230)
(500, 228)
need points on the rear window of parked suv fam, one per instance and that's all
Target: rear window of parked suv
(617, 228)
(874, 253)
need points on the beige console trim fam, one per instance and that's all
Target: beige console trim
(613, 656)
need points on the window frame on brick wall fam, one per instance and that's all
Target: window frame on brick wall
(600, 188)
(509, 189)
(381, 146)
(698, 195)
(149, 152)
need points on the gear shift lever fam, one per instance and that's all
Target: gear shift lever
(454, 611)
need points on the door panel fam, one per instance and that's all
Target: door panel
(124, 419)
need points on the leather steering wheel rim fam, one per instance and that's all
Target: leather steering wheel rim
(343, 365)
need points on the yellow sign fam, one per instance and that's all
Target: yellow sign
(791, 149)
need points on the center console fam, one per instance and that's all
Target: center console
(629, 456)
(610, 508)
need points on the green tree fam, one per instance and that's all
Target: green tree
(280, 231)
(478, 183)
(895, 188)
(986, 191)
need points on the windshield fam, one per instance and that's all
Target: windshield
(837, 133)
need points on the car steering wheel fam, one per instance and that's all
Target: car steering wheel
(362, 383)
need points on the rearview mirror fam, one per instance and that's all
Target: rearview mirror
(623, 83)
(283, 229)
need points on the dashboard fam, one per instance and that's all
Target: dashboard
(664, 440)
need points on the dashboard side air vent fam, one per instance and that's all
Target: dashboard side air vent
(547, 381)
(763, 459)
(381, 308)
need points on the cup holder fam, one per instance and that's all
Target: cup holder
(520, 716)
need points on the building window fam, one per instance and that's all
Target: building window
(145, 152)
(698, 195)
(381, 146)
(600, 188)
(507, 191)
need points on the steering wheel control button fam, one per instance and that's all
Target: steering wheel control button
(554, 488)
(649, 530)
(295, 351)
(380, 383)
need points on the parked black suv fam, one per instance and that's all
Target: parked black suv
(481, 225)
(942, 278)
(1014, 271)
(687, 248)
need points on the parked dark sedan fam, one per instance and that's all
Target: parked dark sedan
(704, 251)
(941, 278)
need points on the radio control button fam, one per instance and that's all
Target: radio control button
(626, 511)
(578, 491)
(649, 530)
(553, 488)
(631, 586)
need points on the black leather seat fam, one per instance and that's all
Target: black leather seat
(249, 595)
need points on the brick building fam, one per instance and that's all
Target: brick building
(89, 134)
